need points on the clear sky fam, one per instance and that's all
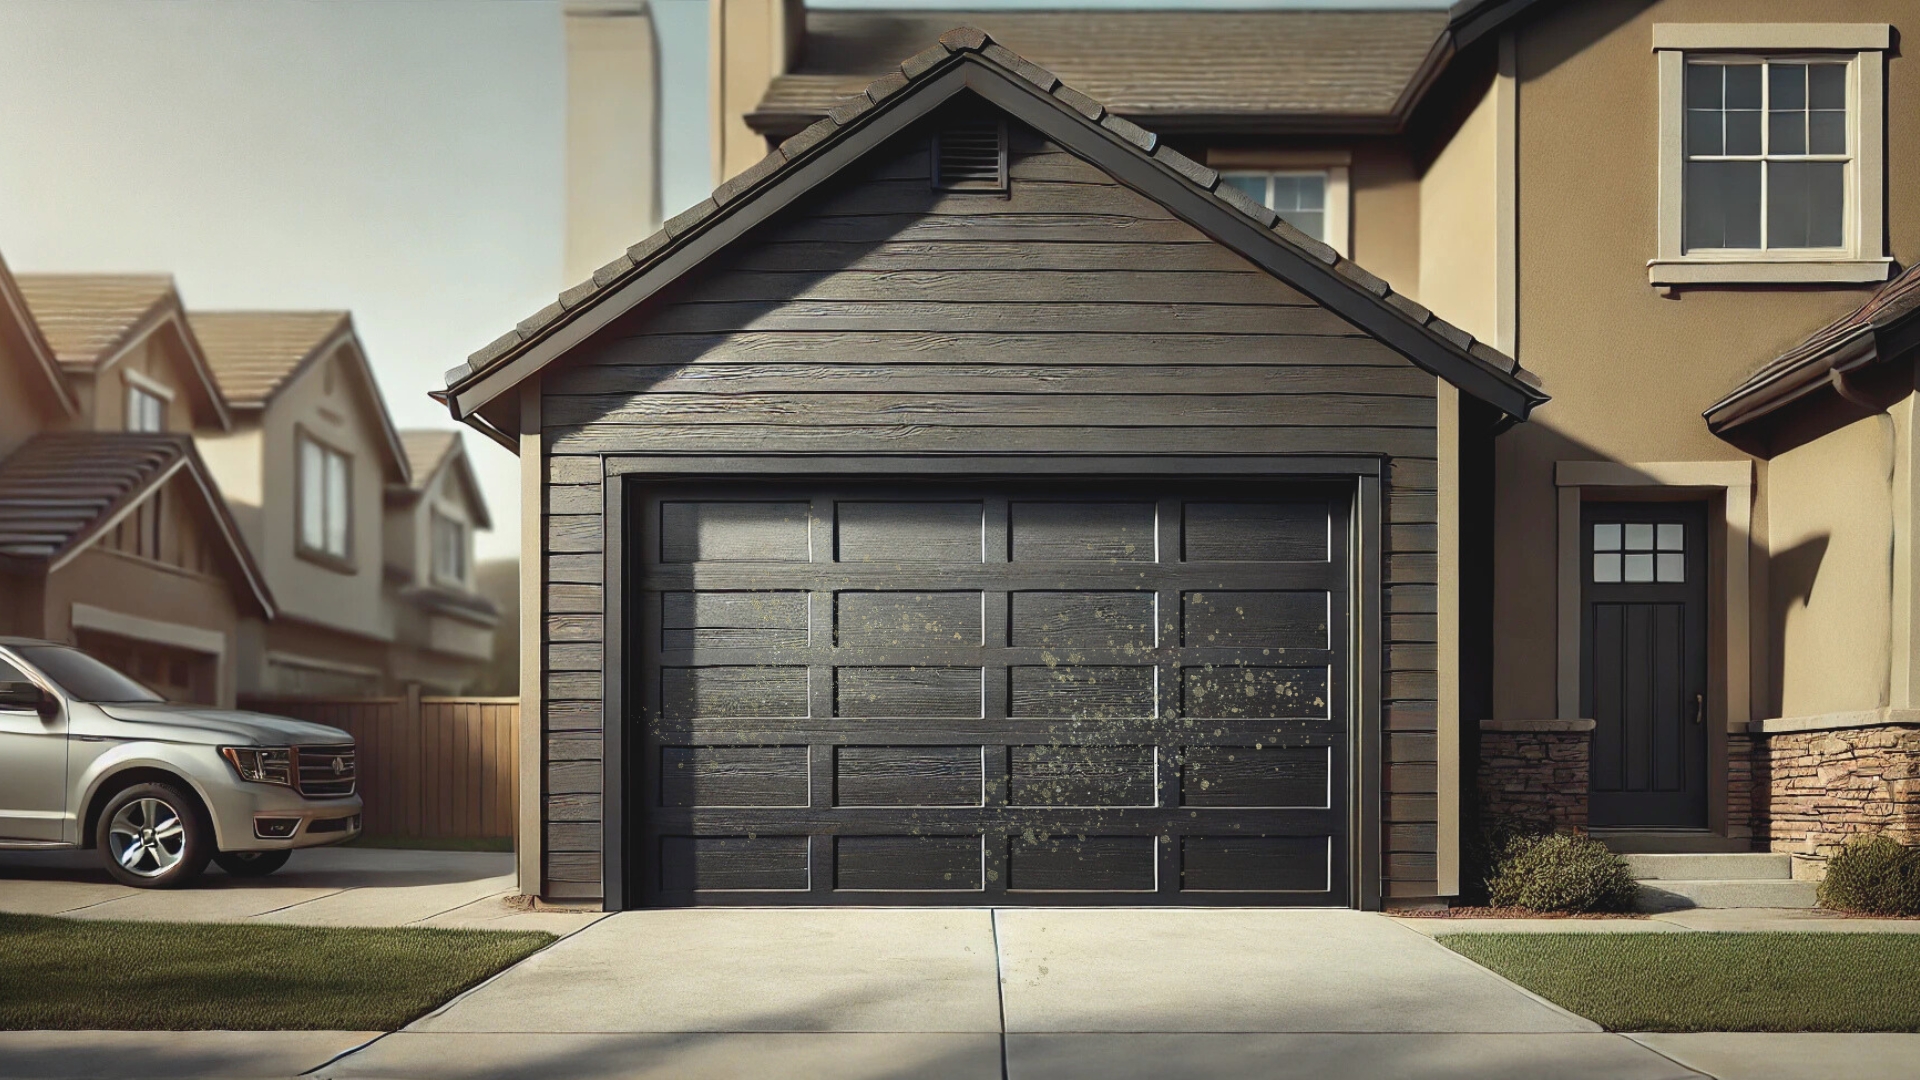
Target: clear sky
(399, 158)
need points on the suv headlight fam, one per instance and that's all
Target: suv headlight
(261, 764)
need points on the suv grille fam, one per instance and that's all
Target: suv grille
(318, 776)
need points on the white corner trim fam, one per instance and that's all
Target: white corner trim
(1782, 271)
(156, 631)
(1735, 479)
(1852, 36)
(148, 383)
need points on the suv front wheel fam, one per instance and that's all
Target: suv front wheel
(154, 836)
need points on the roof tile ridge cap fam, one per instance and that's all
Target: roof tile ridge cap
(638, 258)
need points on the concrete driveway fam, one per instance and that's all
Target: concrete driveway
(985, 994)
(348, 886)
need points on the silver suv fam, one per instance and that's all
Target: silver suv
(89, 758)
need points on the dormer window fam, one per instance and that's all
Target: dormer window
(449, 549)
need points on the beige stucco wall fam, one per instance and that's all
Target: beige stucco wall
(1459, 226)
(749, 42)
(23, 405)
(129, 586)
(161, 361)
(1832, 532)
(1630, 371)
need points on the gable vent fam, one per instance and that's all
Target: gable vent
(971, 155)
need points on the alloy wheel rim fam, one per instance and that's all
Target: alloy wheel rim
(148, 837)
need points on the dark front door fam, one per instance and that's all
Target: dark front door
(1076, 692)
(1644, 670)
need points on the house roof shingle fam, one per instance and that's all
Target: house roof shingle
(86, 317)
(1809, 365)
(426, 448)
(1452, 345)
(254, 353)
(1164, 68)
(61, 491)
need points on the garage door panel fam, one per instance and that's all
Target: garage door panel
(733, 776)
(732, 530)
(744, 691)
(895, 620)
(909, 776)
(919, 532)
(1082, 620)
(913, 863)
(935, 693)
(1256, 531)
(1076, 692)
(734, 863)
(744, 619)
(1099, 776)
(1083, 864)
(1082, 532)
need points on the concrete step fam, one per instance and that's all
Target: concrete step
(1674, 895)
(1742, 866)
(1669, 841)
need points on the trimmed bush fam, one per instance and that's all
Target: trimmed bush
(1873, 875)
(1561, 873)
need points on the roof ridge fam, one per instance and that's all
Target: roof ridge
(952, 46)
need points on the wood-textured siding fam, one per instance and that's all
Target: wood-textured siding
(1068, 316)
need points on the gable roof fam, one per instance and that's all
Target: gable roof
(1884, 329)
(429, 450)
(31, 340)
(91, 320)
(1171, 70)
(61, 492)
(257, 354)
(967, 59)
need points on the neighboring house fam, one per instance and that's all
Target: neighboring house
(113, 535)
(324, 488)
(1683, 631)
(443, 626)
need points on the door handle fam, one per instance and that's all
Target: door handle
(1699, 708)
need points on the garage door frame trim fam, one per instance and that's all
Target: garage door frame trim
(1366, 471)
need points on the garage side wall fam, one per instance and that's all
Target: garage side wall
(1069, 315)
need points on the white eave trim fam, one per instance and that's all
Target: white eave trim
(1852, 37)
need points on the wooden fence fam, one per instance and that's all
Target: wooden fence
(440, 767)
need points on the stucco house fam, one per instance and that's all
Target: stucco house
(443, 626)
(1316, 575)
(113, 533)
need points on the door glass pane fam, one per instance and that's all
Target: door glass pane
(1673, 537)
(1606, 537)
(1805, 203)
(1606, 568)
(1672, 567)
(1639, 537)
(1637, 568)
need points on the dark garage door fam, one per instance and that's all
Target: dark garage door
(938, 694)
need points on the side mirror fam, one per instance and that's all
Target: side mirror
(25, 695)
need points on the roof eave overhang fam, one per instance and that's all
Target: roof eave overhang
(783, 124)
(1354, 295)
(1824, 374)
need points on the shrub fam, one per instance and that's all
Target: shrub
(1873, 875)
(1561, 873)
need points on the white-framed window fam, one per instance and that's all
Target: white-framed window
(146, 410)
(449, 549)
(1771, 165)
(1299, 196)
(325, 482)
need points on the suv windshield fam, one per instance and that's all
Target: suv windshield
(83, 677)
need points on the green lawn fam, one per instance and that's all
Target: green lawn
(1715, 982)
(73, 974)
(443, 843)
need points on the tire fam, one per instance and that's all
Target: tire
(251, 863)
(154, 836)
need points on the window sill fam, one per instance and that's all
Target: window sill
(1766, 271)
(331, 562)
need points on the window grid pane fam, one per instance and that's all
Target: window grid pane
(1299, 198)
(1750, 130)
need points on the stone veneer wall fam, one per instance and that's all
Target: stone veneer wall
(1746, 766)
(1825, 786)
(1536, 770)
